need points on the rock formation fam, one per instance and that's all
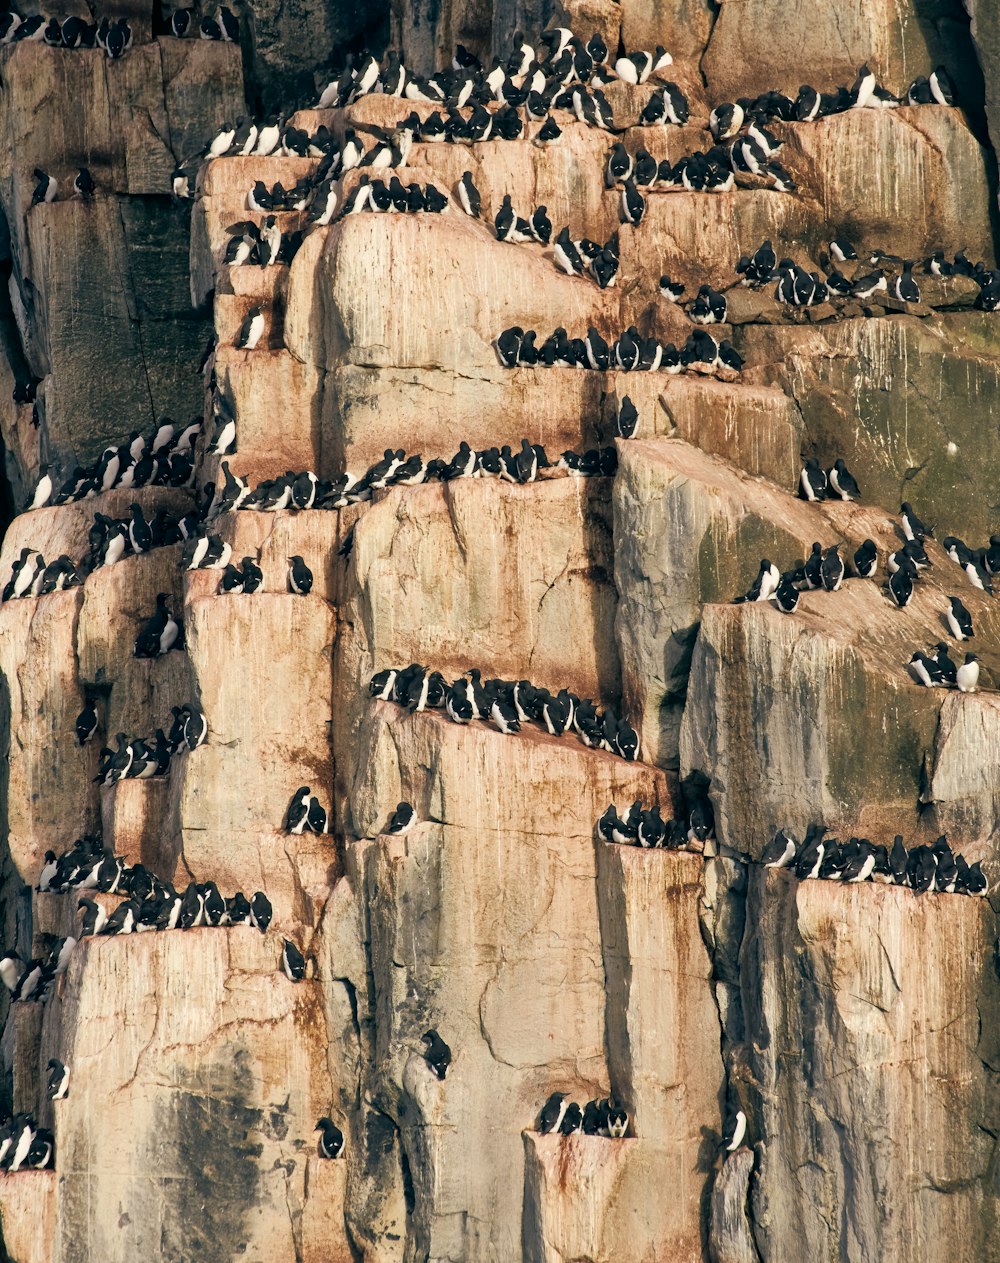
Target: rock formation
(855, 1025)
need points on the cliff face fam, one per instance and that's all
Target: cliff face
(855, 1025)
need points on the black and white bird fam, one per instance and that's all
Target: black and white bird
(401, 819)
(832, 569)
(766, 583)
(331, 1138)
(293, 963)
(779, 852)
(842, 481)
(959, 619)
(812, 481)
(551, 1114)
(58, 1080)
(297, 815)
(734, 1129)
(43, 488)
(468, 196)
(627, 418)
(83, 184)
(866, 559)
(437, 1054)
(300, 577)
(86, 722)
(46, 187)
(251, 330)
(900, 588)
(913, 528)
(967, 675)
(160, 632)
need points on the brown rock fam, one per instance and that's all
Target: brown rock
(756, 46)
(875, 1044)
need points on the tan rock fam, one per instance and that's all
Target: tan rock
(588, 1199)
(755, 428)
(755, 46)
(924, 154)
(226, 814)
(487, 407)
(240, 1115)
(46, 798)
(334, 316)
(731, 1237)
(132, 822)
(27, 1215)
(446, 905)
(423, 760)
(865, 1033)
(845, 379)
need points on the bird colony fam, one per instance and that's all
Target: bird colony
(377, 888)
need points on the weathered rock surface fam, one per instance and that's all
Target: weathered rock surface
(854, 1025)
(871, 1028)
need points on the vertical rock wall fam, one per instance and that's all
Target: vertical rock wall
(855, 1026)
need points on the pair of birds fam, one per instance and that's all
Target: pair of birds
(835, 483)
(507, 704)
(184, 24)
(25, 1146)
(47, 186)
(561, 1116)
(305, 813)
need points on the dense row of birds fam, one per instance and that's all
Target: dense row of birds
(143, 758)
(304, 490)
(115, 36)
(561, 1116)
(926, 867)
(507, 705)
(892, 276)
(629, 352)
(645, 827)
(150, 903)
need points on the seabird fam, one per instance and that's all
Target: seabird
(552, 1113)
(832, 569)
(900, 588)
(967, 676)
(437, 1054)
(251, 330)
(733, 1130)
(58, 1080)
(812, 481)
(842, 481)
(959, 619)
(292, 962)
(331, 1139)
(401, 820)
(297, 814)
(300, 577)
